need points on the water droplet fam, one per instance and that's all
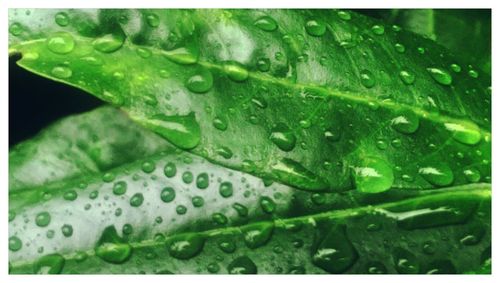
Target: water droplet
(373, 175)
(187, 177)
(406, 123)
(111, 248)
(346, 16)
(266, 23)
(224, 152)
(70, 195)
(267, 204)
(197, 201)
(220, 123)
(400, 48)
(240, 209)
(153, 20)
(441, 267)
(144, 52)
(335, 252)
(127, 229)
(367, 78)
(242, 265)
(472, 175)
(378, 29)
(315, 28)
(258, 234)
(202, 181)
(182, 55)
(61, 43)
(15, 244)
(219, 218)
(456, 68)
(108, 43)
(50, 264)
(201, 82)
(473, 74)
(263, 64)
(148, 166)
(283, 137)
(67, 230)
(61, 19)
(405, 262)
(213, 267)
(407, 77)
(226, 189)
(108, 177)
(182, 131)
(119, 188)
(170, 170)
(332, 136)
(42, 219)
(437, 173)
(181, 209)
(473, 235)
(465, 132)
(186, 246)
(167, 194)
(15, 29)
(295, 174)
(375, 267)
(136, 200)
(235, 71)
(440, 76)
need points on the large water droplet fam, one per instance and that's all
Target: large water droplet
(182, 131)
(295, 174)
(61, 43)
(266, 23)
(464, 131)
(182, 55)
(315, 27)
(112, 248)
(235, 71)
(406, 123)
(170, 170)
(200, 82)
(437, 173)
(335, 252)
(186, 246)
(136, 200)
(50, 264)
(373, 175)
(167, 194)
(472, 175)
(242, 265)
(441, 76)
(226, 189)
(202, 181)
(258, 234)
(148, 166)
(283, 137)
(108, 43)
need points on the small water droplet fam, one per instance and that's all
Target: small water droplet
(373, 175)
(108, 43)
(148, 166)
(400, 48)
(406, 123)
(226, 189)
(202, 181)
(111, 248)
(182, 55)
(266, 23)
(344, 15)
(367, 78)
(144, 52)
(263, 64)
(42, 219)
(235, 71)
(378, 29)
(465, 132)
(295, 174)
(170, 170)
(472, 175)
(335, 252)
(153, 20)
(240, 209)
(242, 265)
(473, 74)
(61, 19)
(136, 200)
(15, 29)
(201, 82)
(61, 43)
(67, 230)
(15, 244)
(181, 209)
(405, 262)
(70, 195)
(456, 68)
(440, 76)
(258, 234)
(267, 204)
(187, 177)
(315, 27)
(407, 77)
(220, 123)
(197, 201)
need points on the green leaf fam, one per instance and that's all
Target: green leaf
(222, 83)
(82, 145)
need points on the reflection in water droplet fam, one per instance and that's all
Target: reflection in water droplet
(61, 72)
(182, 55)
(61, 19)
(441, 76)
(335, 252)
(283, 137)
(407, 77)
(182, 131)
(108, 43)
(186, 246)
(367, 78)
(406, 123)
(405, 262)
(235, 71)
(200, 82)
(315, 27)
(295, 174)
(242, 265)
(437, 173)
(266, 23)
(378, 29)
(258, 234)
(61, 43)
(465, 132)
(373, 175)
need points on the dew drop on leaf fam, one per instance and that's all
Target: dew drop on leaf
(153, 20)
(182, 55)
(266, 23)
(235, 71)
(186, 246)
(437, 173)
(465, 132)
(119, 188)
(67, 230)
(258, 234)
(144, 53)
(111, 248)
(187, 177)
(440, 76)
(202, 181)
(181, 209)
(283, 137)
(148, 166)
(197, 201)
(407, 77)
(376, 267)
(226, 189)
(61, 43)
(61, 19)
(240, 209)
(334, 253)
(406, 123)
(293, 173)
(378, 29)
(70, 195)
(367, 78)
(108, 43)
(315, 27)
(15, 244)
(15, 29)
(219, 218)
(346, 16)
(167, 194)
(473, 74)
(263, 64)
(136, 200)
(242, 265)
(61, 72)
(170, 170)
(201, 82)
(220, 123)
(456, 68)
(42, 219)
(373, 175)
(472, 175)
(182, 131)
(267, 204)
(405, 262)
